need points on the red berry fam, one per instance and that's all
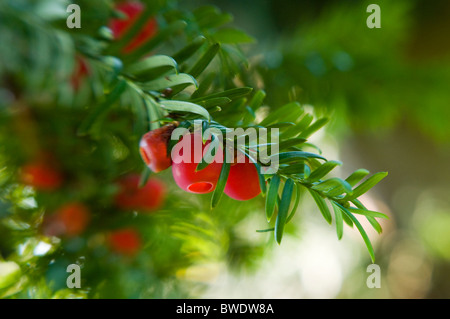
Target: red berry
(41, 176)
(147, 198)
(153, 148)
(184, 172)
(125, 241)
(118, 26)
(243, 181)
(69, 220)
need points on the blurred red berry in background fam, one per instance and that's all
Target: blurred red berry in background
(119, 26)
(126, 241)
(81, 70)
(147, 198)
(69, 220)
(41, 176)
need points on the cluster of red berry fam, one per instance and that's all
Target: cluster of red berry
(72, 218)
(242, 182)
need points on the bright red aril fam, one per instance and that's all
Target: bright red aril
(153, 148)
(243, 181)
(184, 167)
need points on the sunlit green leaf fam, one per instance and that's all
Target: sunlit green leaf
(361, 231)
(338, 219)
(298, 128)
(366, 212)
(375, 224)
(291, 142)
(367, 184)
(356, 176)
(280, 125)
(9, 273)
(314, 127)
(257, 99)
(288, 112)
(333, 186)
(323, 170)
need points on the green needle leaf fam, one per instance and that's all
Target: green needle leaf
(220, 186)
(320, 201)
(182, 106)
(100, 110)
(232, 94)
(283, 209)
(177, 82)
(361, 231)
(356, 176)
(152, 67)
(291, 142)
(218, 101)
(366, 185)
(323, 170)
(375, 224)
(366, 212)
(288, 112)
(257, 100)
(288, 157)
(272, 196)
(296, 203)
(262, 180)
(204, 61)
(333, 186)
(314, 127)
(339, 220)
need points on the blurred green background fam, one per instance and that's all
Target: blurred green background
(387, 93)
